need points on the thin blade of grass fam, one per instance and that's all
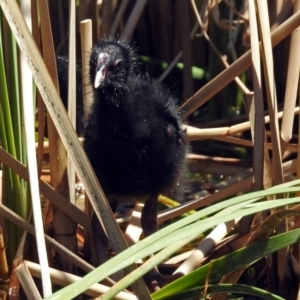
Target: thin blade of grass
(29, 120)
(72, 107)
(86, 46)
(198, 293)
(257, 126)
(62, 278)
(267, 59)
(292, 83)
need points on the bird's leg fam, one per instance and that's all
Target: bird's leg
(101, 241)
(149, 215)
(154, 279)
(149, 225)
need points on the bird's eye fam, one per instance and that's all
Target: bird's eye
(118, 63)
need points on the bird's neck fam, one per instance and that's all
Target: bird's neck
(112, 111)
(110, 98)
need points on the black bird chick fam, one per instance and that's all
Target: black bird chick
(134, 137)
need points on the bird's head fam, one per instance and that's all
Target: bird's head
(111, 63)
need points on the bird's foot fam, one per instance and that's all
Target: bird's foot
(155, 281)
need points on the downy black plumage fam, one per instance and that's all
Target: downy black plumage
(134, 138)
